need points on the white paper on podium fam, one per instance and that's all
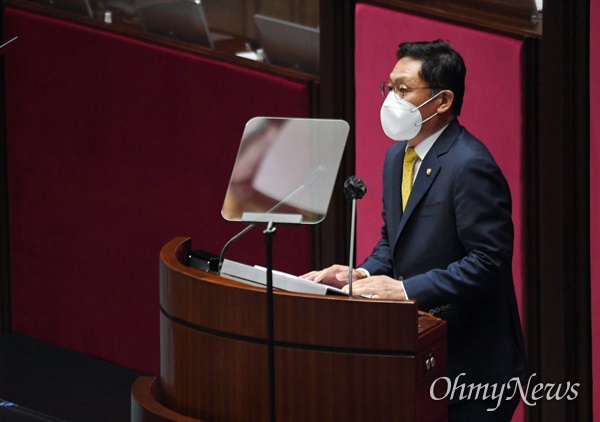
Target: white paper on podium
(258, 276)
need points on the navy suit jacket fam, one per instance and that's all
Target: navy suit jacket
(453, 248)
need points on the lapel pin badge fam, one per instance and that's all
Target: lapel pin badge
(428, 172)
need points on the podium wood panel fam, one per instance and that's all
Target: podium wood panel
(336, 358)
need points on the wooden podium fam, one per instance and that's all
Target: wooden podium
(336, 358)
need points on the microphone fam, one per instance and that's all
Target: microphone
(354, 188)
(311, 178)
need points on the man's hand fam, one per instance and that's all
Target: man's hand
(336, 276)
(378, 287)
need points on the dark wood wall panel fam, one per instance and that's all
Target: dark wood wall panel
(114, 146)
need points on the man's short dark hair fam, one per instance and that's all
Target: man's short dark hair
(442, 67)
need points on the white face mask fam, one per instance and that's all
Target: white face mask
(400, 119)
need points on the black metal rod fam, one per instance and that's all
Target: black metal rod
(269, 234)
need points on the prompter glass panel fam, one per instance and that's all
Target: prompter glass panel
(285, 166)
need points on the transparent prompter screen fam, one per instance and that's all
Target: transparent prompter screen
(286, 166)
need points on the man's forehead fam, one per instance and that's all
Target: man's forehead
(406, 69)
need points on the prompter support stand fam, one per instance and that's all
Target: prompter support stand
(296, 166)
(269, 232)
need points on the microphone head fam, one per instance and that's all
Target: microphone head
(354, 188)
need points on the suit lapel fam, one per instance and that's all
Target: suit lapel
(430, 168)
(428, 171)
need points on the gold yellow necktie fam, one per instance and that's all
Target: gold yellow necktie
(407, 174)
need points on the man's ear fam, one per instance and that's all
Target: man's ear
(447, 98)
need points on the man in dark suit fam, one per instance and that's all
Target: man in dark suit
(447, 238)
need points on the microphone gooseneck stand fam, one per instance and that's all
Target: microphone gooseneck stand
(354, 188)
(351, 257)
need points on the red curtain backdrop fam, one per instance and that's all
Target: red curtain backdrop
(115, 147)
(594, 197)
(492, 109)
